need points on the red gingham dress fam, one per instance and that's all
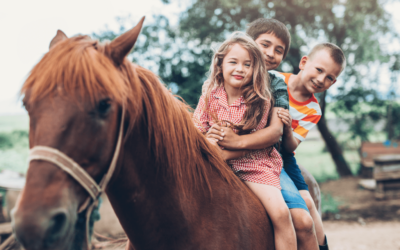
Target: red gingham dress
(257, 166)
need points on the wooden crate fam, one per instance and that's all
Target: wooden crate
(370, 150)
(387, 175)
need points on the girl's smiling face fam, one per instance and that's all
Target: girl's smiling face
(237, 68)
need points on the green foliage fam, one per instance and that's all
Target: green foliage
(17, 138)
(14, 150)
(14, 142)
(5, 141)
(363, 108)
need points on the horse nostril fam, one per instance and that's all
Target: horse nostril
(43, 230)
(57, 223)
(57, 227)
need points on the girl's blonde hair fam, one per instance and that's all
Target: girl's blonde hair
(256, 93)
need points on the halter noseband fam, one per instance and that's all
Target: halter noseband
(67, 164)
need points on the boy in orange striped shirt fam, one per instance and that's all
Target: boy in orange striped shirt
(318, 72)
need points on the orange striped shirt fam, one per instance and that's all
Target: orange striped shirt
(305, 115)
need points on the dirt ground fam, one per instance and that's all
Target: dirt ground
(362, 221)
(344, 235)
(357, 203)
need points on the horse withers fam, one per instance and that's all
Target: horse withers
(170, 188)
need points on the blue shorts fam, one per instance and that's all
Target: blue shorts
(293, 170)
(290, 193)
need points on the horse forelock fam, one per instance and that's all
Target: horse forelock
(77, 67)
(80, 67)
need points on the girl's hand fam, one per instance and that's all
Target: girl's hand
(230, 138)
(215, 132)
(286, 119)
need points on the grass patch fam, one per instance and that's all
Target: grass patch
(329, 204)
(311, 155)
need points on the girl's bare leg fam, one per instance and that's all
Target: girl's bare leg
(271, 198)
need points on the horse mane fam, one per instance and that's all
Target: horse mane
(80, 67)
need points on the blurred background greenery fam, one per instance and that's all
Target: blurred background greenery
(14, 145)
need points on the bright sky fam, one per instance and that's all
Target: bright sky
(27, 28)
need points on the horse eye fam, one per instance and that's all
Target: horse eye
(104, 106)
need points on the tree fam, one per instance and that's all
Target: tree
(333, 146)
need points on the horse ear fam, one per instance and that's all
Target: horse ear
(122, 45)
(60, 36)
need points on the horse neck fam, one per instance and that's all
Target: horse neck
(143, 200)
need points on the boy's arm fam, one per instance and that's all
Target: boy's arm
(260, 139)
(279, 90)
(230, 155)
(289, 142)
(265, 137)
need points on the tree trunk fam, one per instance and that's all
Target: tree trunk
(333, 146)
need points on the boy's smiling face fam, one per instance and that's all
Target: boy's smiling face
(273, 49)
(318, 72)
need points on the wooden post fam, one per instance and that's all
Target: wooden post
(387, 175)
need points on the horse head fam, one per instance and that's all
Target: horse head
(74, 97)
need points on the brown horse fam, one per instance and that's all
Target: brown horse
(170, 188)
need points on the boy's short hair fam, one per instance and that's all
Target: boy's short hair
(334, 51)
(270, 26)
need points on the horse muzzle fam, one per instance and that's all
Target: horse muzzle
(49, 229)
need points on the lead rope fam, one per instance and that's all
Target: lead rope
(79, 174)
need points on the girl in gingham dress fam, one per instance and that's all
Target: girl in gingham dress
(238, 93)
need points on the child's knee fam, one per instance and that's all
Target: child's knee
(303, 222)
(281, 215)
